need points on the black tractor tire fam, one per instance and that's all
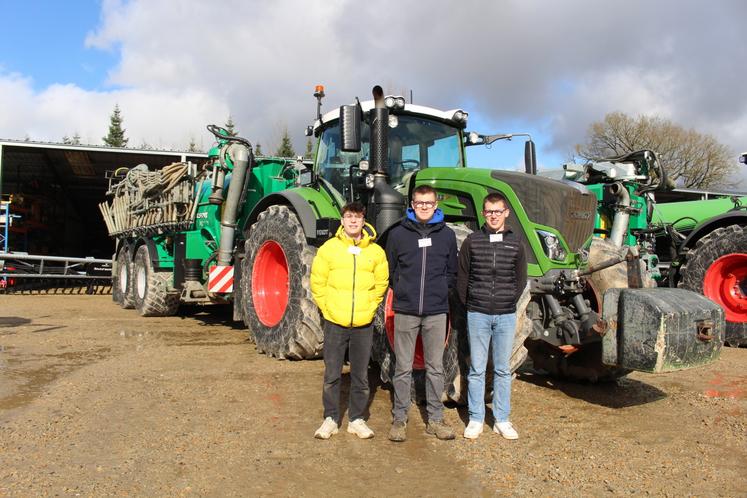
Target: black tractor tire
(298, 334)
(456, 352)
(721, 242)
(151, 288)
(123, 292)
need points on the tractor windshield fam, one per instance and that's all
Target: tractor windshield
(414, 143)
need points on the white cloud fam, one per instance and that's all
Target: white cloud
(559, 65)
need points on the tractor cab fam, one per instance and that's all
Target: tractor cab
(369, 151)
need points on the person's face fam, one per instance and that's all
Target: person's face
(495, 215)
(424, 206)
(352, 223)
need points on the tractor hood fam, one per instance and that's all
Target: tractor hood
(566, 206)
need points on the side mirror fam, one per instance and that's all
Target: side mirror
(530, 158)
(350, 128)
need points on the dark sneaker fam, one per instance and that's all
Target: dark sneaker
(398, 432)
(439, 429)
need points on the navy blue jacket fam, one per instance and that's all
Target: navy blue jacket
(420, 274)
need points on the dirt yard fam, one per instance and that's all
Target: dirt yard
(97, 401)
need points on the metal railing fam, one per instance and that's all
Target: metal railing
(28, 273)
(32, 266)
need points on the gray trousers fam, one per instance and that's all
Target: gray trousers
(432, 329)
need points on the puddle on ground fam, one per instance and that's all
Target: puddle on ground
(30, 383)
(185, 338)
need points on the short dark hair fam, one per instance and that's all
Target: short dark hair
(354, 207)
(424, 189)
(494, 197)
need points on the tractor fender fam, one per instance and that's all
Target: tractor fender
(722, 220)
(298, 204)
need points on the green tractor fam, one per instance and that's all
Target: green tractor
(700, 245)
(243, 230)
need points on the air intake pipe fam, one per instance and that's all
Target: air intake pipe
(242, 159)
(622, 213)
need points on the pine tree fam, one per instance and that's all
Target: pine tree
(116, 136)
(192, 145)
(230, 127)
(71, 141)
(286, 147)
(309, 149)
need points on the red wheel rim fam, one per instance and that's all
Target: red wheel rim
(726, 283)
(270, 283)
(418, 362)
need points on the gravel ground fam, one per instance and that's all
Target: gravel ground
(97, 401)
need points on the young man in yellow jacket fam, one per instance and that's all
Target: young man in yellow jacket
(349, 277)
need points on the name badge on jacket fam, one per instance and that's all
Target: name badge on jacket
(424, 242)
(354, 250)
(496, 237)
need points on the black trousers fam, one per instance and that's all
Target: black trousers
(357, 342)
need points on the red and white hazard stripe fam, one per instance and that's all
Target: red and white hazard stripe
(220, 279)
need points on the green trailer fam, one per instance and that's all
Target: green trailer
(244, 230)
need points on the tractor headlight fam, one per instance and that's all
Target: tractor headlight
(551, 245)
(393, 121)
(392, 102)
(369, 182)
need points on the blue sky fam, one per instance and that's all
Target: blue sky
(45, 41)
(530, 66)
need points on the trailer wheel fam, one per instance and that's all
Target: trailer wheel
(151, 288)
(717, 268)
(275, 285)
(122, 288)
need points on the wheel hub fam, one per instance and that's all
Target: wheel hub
(123, 277)
(726, 283)
(270, 283)
(141, 281)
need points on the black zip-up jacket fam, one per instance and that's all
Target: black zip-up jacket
(420, 274)
(492, 275)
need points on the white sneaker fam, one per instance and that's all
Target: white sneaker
(360, 429)
(327, 428)
(506, 429)
(473, 429)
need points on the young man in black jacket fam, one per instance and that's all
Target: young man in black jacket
(492, 276)
(422, 256)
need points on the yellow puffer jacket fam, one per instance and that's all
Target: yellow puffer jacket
(349, 279)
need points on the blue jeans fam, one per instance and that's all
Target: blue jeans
(484, 329)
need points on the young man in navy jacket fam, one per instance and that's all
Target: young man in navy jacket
(422, 256)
